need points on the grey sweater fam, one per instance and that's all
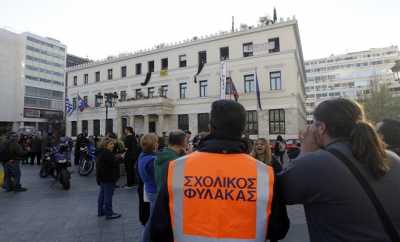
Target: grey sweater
(336, 206)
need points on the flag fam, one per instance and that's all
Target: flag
(222, 78)
(82, 104)
(146, 81)
(231, 89)
(68, 106)
(164, 72)
(200, 68)
(258, 92)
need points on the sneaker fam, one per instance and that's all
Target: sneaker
(21, 189)
(113, 216)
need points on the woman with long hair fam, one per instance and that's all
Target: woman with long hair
(262, 152)
(336, 205)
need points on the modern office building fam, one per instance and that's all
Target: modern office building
(32, 74)
(154, 90)
(350, 75)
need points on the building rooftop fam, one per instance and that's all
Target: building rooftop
(187, 42)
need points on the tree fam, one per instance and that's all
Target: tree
(381, 104)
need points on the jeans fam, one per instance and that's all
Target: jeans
(146, 233)
(12, 175)
(104, 203)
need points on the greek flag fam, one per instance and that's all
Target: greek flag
(82, 104)
(68, 106)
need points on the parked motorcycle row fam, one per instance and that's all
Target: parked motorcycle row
(56, 161)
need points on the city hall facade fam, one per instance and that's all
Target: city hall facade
(173, 85)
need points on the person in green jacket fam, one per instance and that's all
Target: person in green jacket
(176, 148)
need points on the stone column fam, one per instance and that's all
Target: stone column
(263, 124)
(146, 124)
(67, 128)
(193, 124)
(79, 127)
(160, 126)
(131, 121)
(102, 126)
(118, 125)
(90, 127)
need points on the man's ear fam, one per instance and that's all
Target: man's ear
(322, 129)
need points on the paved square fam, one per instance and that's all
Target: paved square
(46, 213)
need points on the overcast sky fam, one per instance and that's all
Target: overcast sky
(99, 28)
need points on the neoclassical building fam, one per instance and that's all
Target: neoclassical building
(173, 85)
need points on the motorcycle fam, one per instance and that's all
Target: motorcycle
(87, 160)
(55, 164)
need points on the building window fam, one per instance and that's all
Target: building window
(248, 49)
(124, 123)
(224, 53)
(97, 76)
(182, 90)
(273, 45)
(152, 126)
(122, 95)
(109, 126)
(183, 121)
(74, 103)
(150, 66)
(75, 80)
(275, 80)
(182, 61)
(249, 83)
(203, 57)
(164, 64)
(74, 128)
(164, 91)
(150, 92)
(138, 69)
(85, 79)
(251, 122)
(138, 93)
(85, 126)
(203, 88)
(96, 127)
(86, 100)
(97, 101)
(277, 121)
(110, 74)
(203, 120)
(123, 71)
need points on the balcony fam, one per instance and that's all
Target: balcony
(146, 105)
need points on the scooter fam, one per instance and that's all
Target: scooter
(55, 164)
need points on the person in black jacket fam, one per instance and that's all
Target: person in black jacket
(131, 155)
(107, 174)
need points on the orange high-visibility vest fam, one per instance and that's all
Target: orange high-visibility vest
(219, 197)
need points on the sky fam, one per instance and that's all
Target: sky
(100, 28)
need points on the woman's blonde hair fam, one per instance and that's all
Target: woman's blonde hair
(267, 152)
(105, 142)
(148, 143)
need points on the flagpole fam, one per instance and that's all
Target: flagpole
(77, 114)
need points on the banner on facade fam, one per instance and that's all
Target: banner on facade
(222, 80)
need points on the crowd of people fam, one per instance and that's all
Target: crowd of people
(344, 170)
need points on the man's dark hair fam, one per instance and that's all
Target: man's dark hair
(227, 119)
(188, 132)
(130, 129)
(390, 130)
(177, 137)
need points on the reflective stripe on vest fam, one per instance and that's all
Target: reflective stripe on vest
(262, 200)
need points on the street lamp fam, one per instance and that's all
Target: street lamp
(110, 100)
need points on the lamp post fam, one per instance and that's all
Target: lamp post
(110, 100)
